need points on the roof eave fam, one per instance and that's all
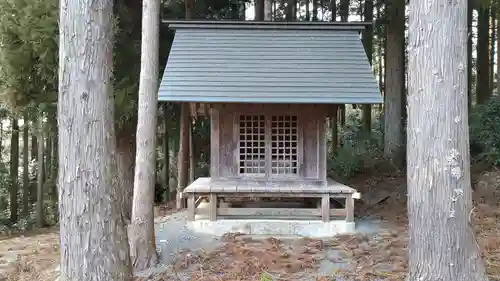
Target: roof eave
(292, 25)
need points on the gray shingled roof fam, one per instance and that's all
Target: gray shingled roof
(268, 63)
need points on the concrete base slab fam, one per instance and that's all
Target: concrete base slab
(303, 228)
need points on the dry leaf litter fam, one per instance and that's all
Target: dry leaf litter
(363, 257)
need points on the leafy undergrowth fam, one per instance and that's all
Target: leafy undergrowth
(363, 257)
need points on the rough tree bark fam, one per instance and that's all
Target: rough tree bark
(395, 84)
(14, 168)
(498, 57)
(442, 244)
(53, 165)
(125, 163)
(141, 230)
(94, 244)
(26, 175)
(40, 170)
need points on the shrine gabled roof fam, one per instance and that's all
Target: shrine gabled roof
(268, 62)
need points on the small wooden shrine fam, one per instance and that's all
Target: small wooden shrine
(268, 88)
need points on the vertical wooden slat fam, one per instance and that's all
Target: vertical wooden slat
(322, 147)
(349, 208)
(325, 207)
(213, 207)
(268, 145)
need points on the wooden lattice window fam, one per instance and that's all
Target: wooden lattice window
(284, 145)
(280, 134)
(252, 144)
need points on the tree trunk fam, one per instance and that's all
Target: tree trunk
(334, 114)
(40, 211)
(141, 231)
(183, 161)
(34, 155)
(334, 128)
(26, 175)
(14, 170)
(190, 8)
(368, 42)
(94, 244)
(344, 17)
(53, 164)
(291, 12)
(315, 10)
(442, 244)
(470, 11)
(259, 10)
(333, 9)
(483, 51)
(125, 163)
(498, 57)
(166, 154)
(308, 13)
(492, 48)
(268, 10)
(47, 154)
(192, 163)
(1, 139)
(395, 84)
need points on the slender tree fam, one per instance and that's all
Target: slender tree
(442, 244)
(93, 238)
(26, 176)
(14, 168)
(141, 231)
(395, 83)
(368, 42)
(40, 214)
(185, 127)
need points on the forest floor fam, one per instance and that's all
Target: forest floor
(382, 256)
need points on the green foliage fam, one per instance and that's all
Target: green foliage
(485, 131)
(28, 51)
(358, 150)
